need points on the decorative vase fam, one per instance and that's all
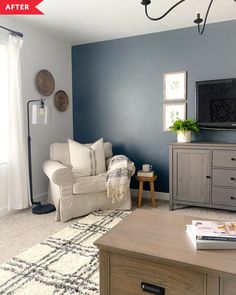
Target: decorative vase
(184, 136)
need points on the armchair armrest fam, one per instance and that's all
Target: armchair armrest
(130, 164)
(58, 173)
(108, 160)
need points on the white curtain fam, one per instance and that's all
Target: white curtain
(3, 100)
(18, 192)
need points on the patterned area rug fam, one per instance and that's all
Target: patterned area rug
(66, 263)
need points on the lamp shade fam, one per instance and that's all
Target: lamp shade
(40, 114)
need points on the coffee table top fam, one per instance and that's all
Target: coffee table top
(162, 237)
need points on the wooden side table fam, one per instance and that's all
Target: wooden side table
(151, 181)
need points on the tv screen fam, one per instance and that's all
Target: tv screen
(216, 103)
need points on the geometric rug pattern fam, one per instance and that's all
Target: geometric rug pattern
(66, 263)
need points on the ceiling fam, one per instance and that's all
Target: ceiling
(79, 22)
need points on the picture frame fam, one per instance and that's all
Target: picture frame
(172, 111)
(175, 86)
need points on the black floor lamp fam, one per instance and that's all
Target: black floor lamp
(38, 111)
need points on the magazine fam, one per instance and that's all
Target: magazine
(214, 230)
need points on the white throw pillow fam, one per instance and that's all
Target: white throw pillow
(87, 160)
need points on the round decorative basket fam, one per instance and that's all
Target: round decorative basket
(61, 100)
(45, 82)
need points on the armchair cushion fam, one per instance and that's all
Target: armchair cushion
(60, 152)
(87, 160)
(89, 184)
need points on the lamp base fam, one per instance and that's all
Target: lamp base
(43, 209)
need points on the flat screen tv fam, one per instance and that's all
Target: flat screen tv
(216, 104)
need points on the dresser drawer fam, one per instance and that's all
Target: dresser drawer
(224, 158)
(224, 196)
(127, 274)
(223, 177)
(228, 286)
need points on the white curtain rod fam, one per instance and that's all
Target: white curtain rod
(12, 32)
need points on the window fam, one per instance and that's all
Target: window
(3, 103)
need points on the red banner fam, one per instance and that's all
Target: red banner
(19, 7)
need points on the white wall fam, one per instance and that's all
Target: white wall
(42, 51)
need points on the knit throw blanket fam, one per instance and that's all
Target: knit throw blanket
(119, 173)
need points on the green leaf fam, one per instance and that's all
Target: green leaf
(185, 125)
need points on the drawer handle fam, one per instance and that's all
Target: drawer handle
(149, 288)
(233, 198)
(208, 176)
(233, 159)
(232, 178)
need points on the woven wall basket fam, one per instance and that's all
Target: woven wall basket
(61, 100)
(45, 82)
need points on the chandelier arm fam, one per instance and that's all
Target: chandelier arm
(167, 12)
(201, 31)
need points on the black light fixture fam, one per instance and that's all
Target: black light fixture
(39, 116)
(197, 21)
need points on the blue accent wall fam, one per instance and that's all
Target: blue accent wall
(118, 88)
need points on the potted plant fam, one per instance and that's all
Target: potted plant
(184, 129)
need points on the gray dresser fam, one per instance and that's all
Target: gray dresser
(203, 174)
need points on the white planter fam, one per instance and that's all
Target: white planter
(184, 136)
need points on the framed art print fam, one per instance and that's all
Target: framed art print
(175, 86)
(172, 112)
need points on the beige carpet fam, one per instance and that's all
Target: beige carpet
(22, 230)
(207, 213)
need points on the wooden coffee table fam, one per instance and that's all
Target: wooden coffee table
(150, 250)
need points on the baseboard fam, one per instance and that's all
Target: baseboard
(39, 198)
(146, 195)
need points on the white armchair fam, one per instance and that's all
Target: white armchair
(74, 195)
